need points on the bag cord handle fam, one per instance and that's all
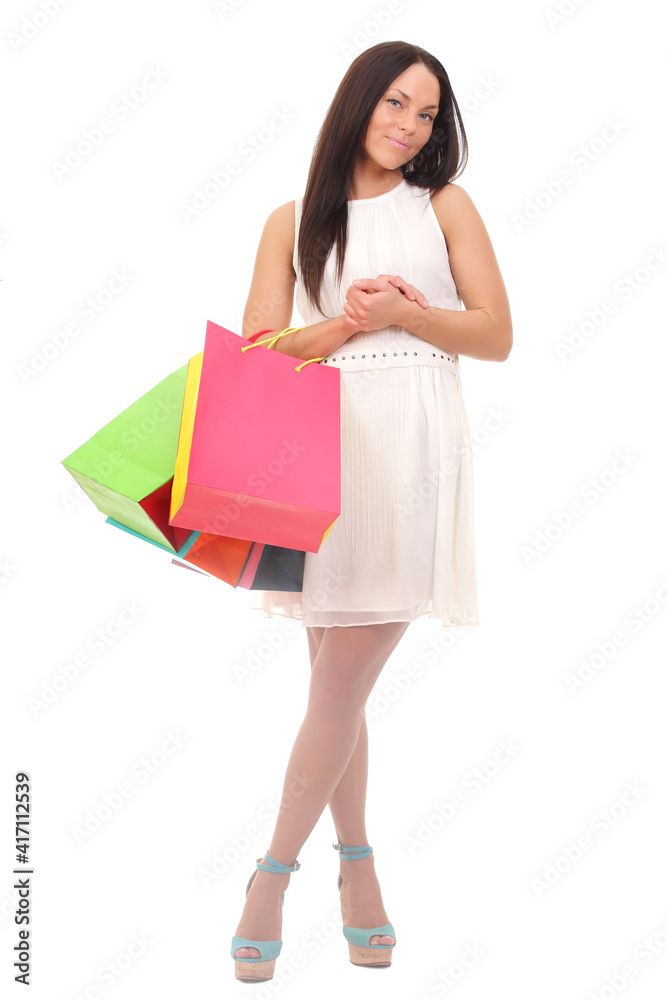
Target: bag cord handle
(271, 341)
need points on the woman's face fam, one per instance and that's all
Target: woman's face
(403, 118)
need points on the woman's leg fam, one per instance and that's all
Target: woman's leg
(360, 896)
(348, 801)
(345, 669)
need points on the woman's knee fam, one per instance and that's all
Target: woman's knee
(341, 683)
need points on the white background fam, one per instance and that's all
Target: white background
(537, 92)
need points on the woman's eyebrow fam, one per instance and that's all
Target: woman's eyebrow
(407, 97)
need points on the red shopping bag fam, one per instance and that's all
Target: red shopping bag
(259, 445)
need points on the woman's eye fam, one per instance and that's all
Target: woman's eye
(425, 115)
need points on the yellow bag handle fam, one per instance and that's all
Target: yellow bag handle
(271, 341)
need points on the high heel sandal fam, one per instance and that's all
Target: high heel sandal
(362, 952)
(259, 970)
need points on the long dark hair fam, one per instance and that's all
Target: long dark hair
(340, 139)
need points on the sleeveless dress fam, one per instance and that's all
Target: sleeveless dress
(403, 545)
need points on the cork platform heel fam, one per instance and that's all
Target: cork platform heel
(259, 970)
(362, 952)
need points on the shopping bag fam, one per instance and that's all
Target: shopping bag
(255, 567)
(259, 445)
(220, 557)
(181, 550)
(240, 563)
(127, 467)
(278, 569)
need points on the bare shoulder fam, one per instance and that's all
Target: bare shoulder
(473, 263)
(454, 209)
(269, 303)
(280, 222)
(284, 213)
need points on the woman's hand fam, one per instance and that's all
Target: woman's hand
(374, 303)
(407, 289)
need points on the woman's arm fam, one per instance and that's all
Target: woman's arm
(271, 296)
(484, 330)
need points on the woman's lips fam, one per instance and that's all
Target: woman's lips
(397, 143)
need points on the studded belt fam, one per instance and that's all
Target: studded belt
(381, 356)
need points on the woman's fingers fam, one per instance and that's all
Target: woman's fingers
(368, 284)
(420, 297)
(397, 282)
(351, 315)
(370, 310)
(380, 283)
(411, 292)
(406, 288)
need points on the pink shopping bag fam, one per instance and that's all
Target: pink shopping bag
(259, 445)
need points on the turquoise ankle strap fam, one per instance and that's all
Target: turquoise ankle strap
(275, 866)
(353, 853)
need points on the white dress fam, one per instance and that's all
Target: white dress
(403, 545)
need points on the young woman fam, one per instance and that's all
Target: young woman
(383, 249)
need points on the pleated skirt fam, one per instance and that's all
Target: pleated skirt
(403, 546)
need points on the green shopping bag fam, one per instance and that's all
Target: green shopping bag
(127, 467)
